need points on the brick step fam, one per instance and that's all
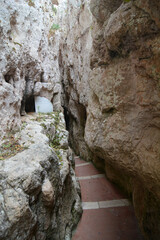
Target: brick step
(107, 215)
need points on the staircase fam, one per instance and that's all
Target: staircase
(107, 214)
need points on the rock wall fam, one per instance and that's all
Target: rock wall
(74, 61)
(29, 43)
(108, 53)
(39, 194)
(117, 81)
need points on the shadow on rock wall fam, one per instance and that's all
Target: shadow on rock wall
(123, 113)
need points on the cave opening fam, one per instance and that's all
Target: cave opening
(28, 101)
(30, 104)
(8, 78)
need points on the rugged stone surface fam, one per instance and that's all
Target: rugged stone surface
(39, 195)
(122, 99)
(74, 62)
(29, 48)
(110, 75)
(122, 128)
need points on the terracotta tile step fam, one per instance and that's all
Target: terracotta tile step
(78, 160)
(87, 170)
(106, 213)
(108, 224)
(99, 189)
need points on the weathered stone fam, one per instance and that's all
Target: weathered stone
(43, 90)
(120, 106)
(123, 110)
(57, 88)
(38, 190)
(102, 9)
(150, 7)
(74, 62)
(109, 78)
(48, 193)
(28, 54)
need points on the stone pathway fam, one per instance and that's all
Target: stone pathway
(107, 215)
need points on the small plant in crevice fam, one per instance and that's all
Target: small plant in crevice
(54, 139)
(56, 119)
(44, 126)
(53, 29)
(54, 142)
(55, 145)
(54, 9)
(40, 118)
(18, 44)
(13, 49)
(10, 147)
(58, 153)
(55, 26)
(23, 125)
(126, 1)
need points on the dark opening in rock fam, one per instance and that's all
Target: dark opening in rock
(42, 77)
(109, 110)
(67, 118)
(30, 104)
(9, 78)
(82, 114)
(113, 54)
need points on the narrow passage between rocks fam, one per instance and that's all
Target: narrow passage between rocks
(107, 214)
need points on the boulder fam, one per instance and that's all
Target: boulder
(39, 194)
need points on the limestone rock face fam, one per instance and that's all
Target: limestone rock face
(109, 57)
(116, 84)
(48, 193)
(29, 49)
(39, 194)
(74, 59)
(123, 114)
(102, 9)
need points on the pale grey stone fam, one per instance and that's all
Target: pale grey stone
(48, 193)
(34, 185)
